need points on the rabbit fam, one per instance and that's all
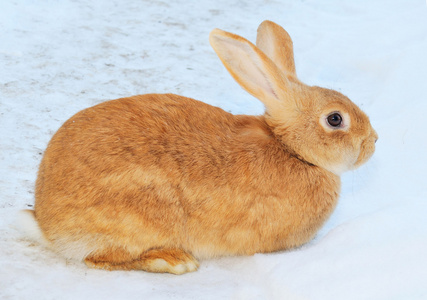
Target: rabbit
(158, 182)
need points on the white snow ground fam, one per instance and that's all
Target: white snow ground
(58, 57)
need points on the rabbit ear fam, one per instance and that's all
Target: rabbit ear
(251, 68)
(276, 43)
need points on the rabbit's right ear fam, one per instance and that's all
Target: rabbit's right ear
(276, 43)
(252, 69)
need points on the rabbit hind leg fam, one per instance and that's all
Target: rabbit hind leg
(162, 260)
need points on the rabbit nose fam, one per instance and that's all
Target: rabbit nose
(375, 134)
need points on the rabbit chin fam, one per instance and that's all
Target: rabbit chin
(346, 163)
(351, 163)
(338, 169)
(351, 159)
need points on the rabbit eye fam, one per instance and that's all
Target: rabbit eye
(334, 120)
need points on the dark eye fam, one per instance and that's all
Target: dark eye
(335, 120)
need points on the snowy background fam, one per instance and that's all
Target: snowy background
(58, 57)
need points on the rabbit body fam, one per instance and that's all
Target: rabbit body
(145, 172)
(157, 181)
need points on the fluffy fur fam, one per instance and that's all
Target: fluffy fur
(155, 182)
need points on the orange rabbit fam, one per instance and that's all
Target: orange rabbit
(156, 182)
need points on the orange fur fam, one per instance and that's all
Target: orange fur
(280, 50)
(174, 261)
(154, 182)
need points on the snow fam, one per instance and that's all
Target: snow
(58, 57)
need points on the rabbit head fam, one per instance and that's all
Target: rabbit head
(317, 125)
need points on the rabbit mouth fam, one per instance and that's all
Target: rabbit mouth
(367, 149)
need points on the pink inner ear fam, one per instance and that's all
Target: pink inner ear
(246, 66)
(270, 89)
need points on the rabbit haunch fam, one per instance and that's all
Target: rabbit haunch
(155, 182)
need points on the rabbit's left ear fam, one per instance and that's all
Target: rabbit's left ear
(276, 43)
(251, 68)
